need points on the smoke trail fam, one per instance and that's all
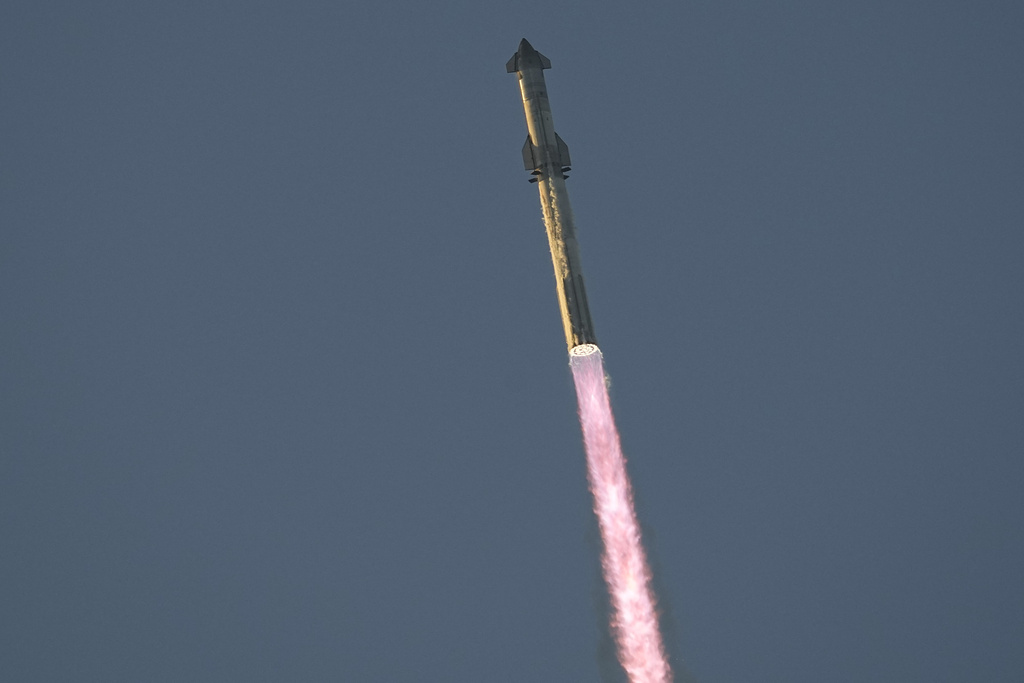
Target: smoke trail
(634, 617)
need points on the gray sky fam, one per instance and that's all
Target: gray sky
(284, 389)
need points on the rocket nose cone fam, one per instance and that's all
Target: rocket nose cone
(527, 57)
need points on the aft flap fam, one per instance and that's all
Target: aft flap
(563, 151)
(530, 161)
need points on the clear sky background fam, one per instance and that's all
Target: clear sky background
(283, 389)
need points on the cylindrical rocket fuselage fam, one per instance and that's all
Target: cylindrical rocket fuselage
(549, 158)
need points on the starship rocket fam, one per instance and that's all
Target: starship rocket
(546, 156)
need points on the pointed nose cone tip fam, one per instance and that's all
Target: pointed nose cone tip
(527, 56)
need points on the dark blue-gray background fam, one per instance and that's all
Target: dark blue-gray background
(284, 389)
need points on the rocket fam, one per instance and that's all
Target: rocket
(546, 156)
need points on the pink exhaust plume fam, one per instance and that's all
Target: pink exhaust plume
(634, 616)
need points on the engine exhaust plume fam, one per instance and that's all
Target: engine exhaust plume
(623, 562)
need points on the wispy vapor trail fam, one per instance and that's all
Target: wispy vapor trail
(624, 564)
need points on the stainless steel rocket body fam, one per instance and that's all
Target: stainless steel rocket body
(547, 157)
